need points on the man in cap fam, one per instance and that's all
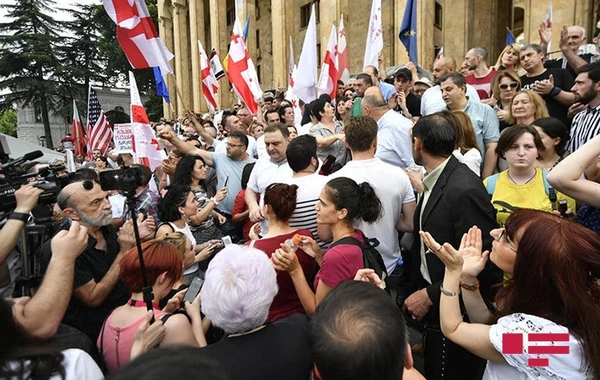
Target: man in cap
(407, 103)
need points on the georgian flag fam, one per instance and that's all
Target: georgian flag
(210, 86)
(145, 144)
(343, 68)
(374, 36)
(329, 70)
(241, 71)
(137, 35)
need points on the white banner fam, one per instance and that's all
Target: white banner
(123, 138)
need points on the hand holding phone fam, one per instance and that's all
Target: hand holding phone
(193, 290)
(226, 181)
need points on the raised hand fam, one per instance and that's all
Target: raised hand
(470, 249)
(70, 244)
(449, 256)
(369, 275)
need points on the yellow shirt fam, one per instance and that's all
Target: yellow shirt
(508, 196)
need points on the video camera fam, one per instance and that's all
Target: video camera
(13, 174)
(126, 178)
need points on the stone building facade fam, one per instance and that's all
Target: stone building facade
(456, 25)
(29, 119)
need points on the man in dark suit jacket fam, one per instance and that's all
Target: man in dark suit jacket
(454, 199)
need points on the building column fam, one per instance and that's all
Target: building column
(281, 44)
(219, 39)
(456, 18)
(195, 14)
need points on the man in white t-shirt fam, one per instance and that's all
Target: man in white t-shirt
(391, 185)
(302, 157)
(268, 170)
(432, 101)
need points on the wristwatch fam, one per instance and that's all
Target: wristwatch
(19, 216)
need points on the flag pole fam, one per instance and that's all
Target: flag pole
(178, 92)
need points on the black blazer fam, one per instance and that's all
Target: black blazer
(457, 202)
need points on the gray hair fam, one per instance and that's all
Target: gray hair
(239, 288)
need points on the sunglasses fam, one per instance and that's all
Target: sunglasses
(86, 184)
(504, 86)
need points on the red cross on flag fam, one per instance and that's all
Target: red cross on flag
(145, 144)
(329, 70)
(294, 100)
(210, 86)
(343, 68)
(137, 35)
(241, 71)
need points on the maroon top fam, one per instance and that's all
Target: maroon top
(286, 301)
(341, 263)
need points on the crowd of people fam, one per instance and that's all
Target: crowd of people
(478, 190)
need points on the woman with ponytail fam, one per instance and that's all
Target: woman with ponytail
(342, 201)
(279, 205)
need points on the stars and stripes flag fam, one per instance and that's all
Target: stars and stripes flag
(99, 131)
(77, 132)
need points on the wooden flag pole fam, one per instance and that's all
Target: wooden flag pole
(178, 93)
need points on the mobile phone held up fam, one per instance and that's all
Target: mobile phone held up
(226, 240)
(193, 290)
(226, 181)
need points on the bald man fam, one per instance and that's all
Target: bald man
(394, 144)
(431, 101)
(97, 290)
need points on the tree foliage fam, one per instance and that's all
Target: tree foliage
(8, 122)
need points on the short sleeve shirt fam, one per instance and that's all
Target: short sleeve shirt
(341, 263)
(231, 171)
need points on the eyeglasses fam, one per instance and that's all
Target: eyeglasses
(230, 145)
(507, 243)
(87, 185)
(504, 86)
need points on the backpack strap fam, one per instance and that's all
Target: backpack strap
(347, 240)
(491, 183)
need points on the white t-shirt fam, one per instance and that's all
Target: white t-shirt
(117, 203)
(78, 365)
(265, 172)
(393, 189)
(560, 366)
(472, 158)
(432, 101)
(261, 147)
(305, 215)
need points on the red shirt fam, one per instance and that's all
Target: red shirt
(286, 301)
(341, 263)
(239, 206)
(483, 85)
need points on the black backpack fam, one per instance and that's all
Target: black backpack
(371, 257)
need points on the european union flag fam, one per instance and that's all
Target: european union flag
(246, 27)
(161, 86)
(510, 39)
(408, 31)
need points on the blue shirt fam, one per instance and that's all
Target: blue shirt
(485, 124)
(394, 143)
(228, 168)
(387, 90)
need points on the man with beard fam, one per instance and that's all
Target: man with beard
(586, 124)
(482, 76)
(97, 290)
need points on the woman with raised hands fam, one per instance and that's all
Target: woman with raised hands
(554, 289)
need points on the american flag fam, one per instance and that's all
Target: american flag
(98, 128)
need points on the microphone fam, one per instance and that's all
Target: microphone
(27, 157)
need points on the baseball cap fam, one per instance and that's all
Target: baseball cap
(403, 72)
(424, 81)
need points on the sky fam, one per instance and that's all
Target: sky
(59, 15)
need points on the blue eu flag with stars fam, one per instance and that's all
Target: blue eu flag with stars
(408, 31)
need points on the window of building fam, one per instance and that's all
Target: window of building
(257, 39)
(258, 73)
(230, 12)
(319, 61)
(305, 13)
(256, 9)
(438, 15)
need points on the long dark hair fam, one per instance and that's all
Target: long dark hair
(168, 206)
(556, 274)
(183, 171)
(359, 200)
(20, 355)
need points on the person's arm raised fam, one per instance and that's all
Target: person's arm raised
(199, 128)
(566, 177)
(184, 147)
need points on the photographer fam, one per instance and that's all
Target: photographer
(96, 288)
(41, 315)
(27, 197)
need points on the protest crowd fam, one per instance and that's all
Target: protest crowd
(403, 226)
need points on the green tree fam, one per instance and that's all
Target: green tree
(8, 122)
(28, 59)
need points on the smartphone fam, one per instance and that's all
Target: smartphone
(562, 207)
(226, 181)
(193, 290)
(227, 240)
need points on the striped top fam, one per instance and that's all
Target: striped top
(585, 126)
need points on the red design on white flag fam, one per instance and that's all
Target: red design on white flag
(343, 68)
(294, 100)
(374, 36)
(241, 71)
(137, 35)
(210, 86)
(439, 55)
(329, 70)
(77, 132)
(145, 144)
